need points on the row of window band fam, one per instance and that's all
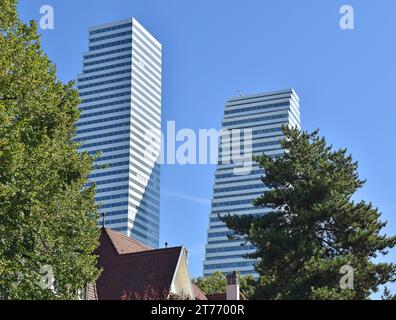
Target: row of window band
(120, 34)
(153, 107)
(137, 217)
(126, 220)
(126, 139)
(150, 75)
(151, 54)
(124, 229)
(239, 188)
(126, 204)
(146, 196)
(254, 132)
(154, 171)
(147, 209)
(138, 102)
(230, 265)
(129, 101)
(125, 131)
(84, 78)
(126, 116)
(122, 94)
(123, 26)
(141, 58)
(246, 109)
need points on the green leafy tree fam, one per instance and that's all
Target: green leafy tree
(47, 218)
(314, 227)
(217, 283)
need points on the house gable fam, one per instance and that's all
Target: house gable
(181, 283)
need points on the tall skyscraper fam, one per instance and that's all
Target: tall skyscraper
(120, 89)
(264, 114)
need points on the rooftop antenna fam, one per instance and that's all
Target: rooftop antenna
(240, 93)
(103, 219)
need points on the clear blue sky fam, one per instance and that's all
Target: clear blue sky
(211, 49)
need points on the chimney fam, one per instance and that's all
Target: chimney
(232, 287)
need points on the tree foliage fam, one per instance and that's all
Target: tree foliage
(47, 218)
(217, 283)
(313, 226)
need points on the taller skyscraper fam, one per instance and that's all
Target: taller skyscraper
(120, 89)
(264, 114)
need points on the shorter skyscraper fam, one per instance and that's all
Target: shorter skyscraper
(264, 114)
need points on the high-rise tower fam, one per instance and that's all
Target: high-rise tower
(120, 89)
(264, 114)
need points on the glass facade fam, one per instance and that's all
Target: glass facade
(120, 89)
(264, 114)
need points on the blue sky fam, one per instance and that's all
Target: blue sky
(212, 49)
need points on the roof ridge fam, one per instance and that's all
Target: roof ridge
(108, 236)
(121, 235)
(152, 251)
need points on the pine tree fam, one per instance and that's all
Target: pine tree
(313, 227)
(47, 217)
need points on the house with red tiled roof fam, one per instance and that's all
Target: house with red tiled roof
(134, 271)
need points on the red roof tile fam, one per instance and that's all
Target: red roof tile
(132, 270)
(124, 244)
(198, 293)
